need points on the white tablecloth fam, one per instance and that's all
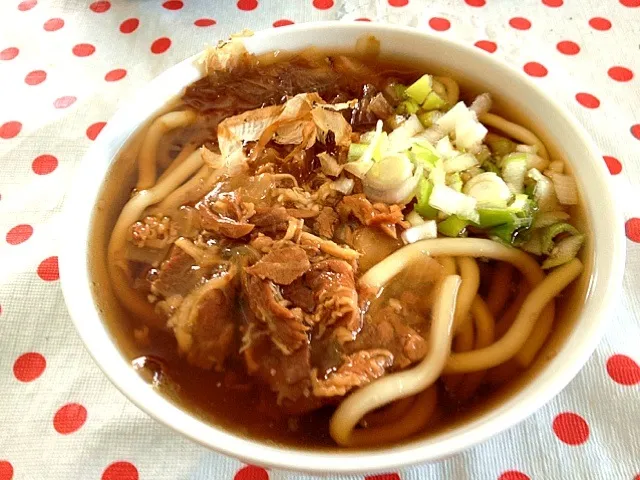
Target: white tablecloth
(64, 67)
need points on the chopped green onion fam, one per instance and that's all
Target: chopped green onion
(419, 89)
(447, 200)
(356, 150)
(428, 118)
(425, 187)
(425, 153)
(553, 231)
(455, 181)
(488, 189)
(460, 163)
(407, 107)
(399, 89)
(453, 226)
(499, 146)
(423, 231)
(433, 102)
(414, 218)
(381, 147)
(492, 217)
(514, 170)
(546, 219)
(490, 166)
(565, 251)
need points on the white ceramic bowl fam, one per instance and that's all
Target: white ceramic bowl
(534, 107)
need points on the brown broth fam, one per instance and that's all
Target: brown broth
(245, 410)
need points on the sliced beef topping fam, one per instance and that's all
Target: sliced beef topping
(333, 284)
(285, 326)
(178, 275)
(154, 232)
(282, 265)
(326, 222)
(357, 370)
(270, 217)
(383, 216)
(300, 295)
(204, 323)
(386, 329)
(222, 225)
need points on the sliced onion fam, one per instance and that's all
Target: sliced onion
(566, 188)
(546, 219)
(544, 193)
(329, 164)
(426, 230)
(343, 185)
(481, 104)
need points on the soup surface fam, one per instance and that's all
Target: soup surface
(328, 249)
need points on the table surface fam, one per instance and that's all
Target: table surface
(65, 66)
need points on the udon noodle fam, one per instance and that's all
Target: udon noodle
(269, 248)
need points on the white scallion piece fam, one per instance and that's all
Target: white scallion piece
(424, 231)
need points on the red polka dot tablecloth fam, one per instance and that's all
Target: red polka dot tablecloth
(64, 67)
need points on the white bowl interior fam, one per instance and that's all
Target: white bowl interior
(531, 106)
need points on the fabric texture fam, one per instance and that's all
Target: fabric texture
(65, 66)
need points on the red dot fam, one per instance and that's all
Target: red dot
(613, 164)
(9, 53)
(44, 164)
(48, 269)
(173, 5)
(204, 22)
(513, 475)
(10, 129)
(620, 74)
(486, 45)
(520, 23)
(630, 3)
(323, 4)
(398, 3)
(19, 234)
(475, 3)
(36, 77)
(568, 47)
(53, 24)
(623, 370)
(363, 19)
(571, 428)
(247, 5)
(83, 50)
(535, 69)
(115, 75)
(69, 418)
(635, 131)
(100, 6)
(552, 3)
(120, 471)
(439, 24)
(129, 25)
(6, 470)
(282, 23)
(95, 129)
(600, 23)
(27, 5)
(383, 476)
(587, 100)
(251, 472)
(160, 45)
(632, 229)
(29, 366)
(64, 102)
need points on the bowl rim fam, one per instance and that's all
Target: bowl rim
(76, 281)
